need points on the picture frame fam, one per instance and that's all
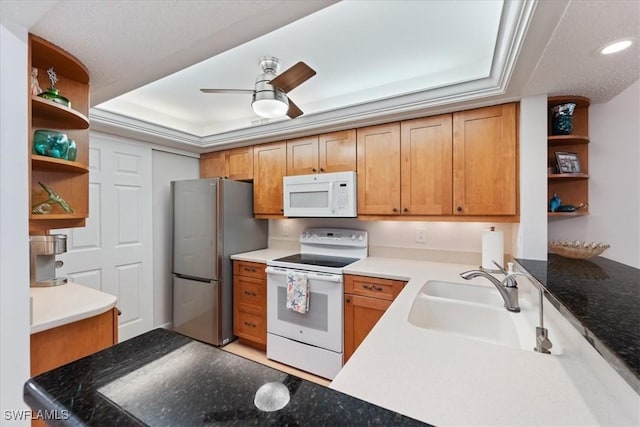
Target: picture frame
(568, 162)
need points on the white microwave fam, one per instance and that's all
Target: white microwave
(321, 195)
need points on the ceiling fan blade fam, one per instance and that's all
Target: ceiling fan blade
(293, 77)
(226, 90)
(294, 111)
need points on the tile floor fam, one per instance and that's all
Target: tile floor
(248, 352)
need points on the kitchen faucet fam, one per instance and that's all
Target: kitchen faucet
(508, 287)
(543, 343)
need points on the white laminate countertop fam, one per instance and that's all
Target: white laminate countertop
(58, 305)
(263, 255)
(448, 380)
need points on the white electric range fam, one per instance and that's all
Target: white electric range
(312, 341)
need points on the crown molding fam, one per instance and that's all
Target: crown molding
(515, 21)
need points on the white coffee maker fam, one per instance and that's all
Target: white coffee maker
(43, 250)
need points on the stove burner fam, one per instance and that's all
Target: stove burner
(320, 260)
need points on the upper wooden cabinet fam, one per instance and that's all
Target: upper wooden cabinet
(212, 165)
(426, 149)
(69, 179)
(485, 173)
(378, 150)
(330, 152)
(302, 156)
(236, 164)
(269, 168)
(239, 163)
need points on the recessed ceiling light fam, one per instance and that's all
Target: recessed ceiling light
(615, 47)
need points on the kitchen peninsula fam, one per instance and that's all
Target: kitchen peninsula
(165, 378)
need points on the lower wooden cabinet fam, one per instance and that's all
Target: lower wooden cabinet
(365, 301)
(250, 303)
(58, 346)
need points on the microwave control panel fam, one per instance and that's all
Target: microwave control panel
(342, 199)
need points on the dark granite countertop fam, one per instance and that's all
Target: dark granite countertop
(603, 298)
(162, 378)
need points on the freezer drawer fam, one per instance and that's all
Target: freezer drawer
(196, 310)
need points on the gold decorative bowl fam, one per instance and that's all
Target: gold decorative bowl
(577, 249)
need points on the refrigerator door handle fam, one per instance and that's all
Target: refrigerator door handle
(195, 279)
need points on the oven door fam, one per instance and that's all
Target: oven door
(322, 324)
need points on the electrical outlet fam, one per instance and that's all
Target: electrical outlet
(421, 235)
(285, 229)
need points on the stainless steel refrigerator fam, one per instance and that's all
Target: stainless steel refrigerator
(212, 219)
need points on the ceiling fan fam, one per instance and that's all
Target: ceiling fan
(270, 98)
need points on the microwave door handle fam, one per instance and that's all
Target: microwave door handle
(331, 183)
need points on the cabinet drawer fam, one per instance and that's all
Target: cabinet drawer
(373, 287)
(250, 293)
(250, 326)
(249, 269)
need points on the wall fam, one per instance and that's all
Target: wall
(166, 167)
(531, 233)
(614, 184)
(457, 242)
(14, 228)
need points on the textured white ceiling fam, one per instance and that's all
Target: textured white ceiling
(571, 63)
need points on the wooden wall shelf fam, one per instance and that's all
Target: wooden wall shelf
(572, 188)
(567, 214)
(48, 114)
(68, 179)
(567, 139)
(568, 176)
(52, 164)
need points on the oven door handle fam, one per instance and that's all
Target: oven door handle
(326, 277)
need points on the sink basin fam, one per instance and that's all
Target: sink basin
(471, 311)
(463, 292)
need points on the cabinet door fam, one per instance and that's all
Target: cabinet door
(64, 344)
(378, 154)
(269, 168)
(360, 316)
(302, 156)
(239, 163)
(337, 151)
(212, 165)
(485, 179)
(426, 150)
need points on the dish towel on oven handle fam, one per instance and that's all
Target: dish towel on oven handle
(297, 292)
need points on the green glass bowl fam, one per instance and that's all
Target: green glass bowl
(51, 144)
(53, 94)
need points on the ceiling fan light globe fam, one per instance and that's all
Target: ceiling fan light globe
(270, 108)
(270, 104)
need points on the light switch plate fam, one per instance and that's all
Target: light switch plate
(421, 235)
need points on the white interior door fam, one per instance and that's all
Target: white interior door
(114, 252)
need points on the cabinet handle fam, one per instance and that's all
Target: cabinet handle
(348, 300)
(395, 209)
(321, 169)
(405, 210)
(251, 294)
(250, 269)
(459, 208)
(372, 287)
(313, 169)
(251, 325)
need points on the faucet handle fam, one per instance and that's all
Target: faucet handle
(501, 268)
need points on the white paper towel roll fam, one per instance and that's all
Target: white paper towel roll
(492, 248)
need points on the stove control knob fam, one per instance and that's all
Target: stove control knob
(360, 238)
(353, 237)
